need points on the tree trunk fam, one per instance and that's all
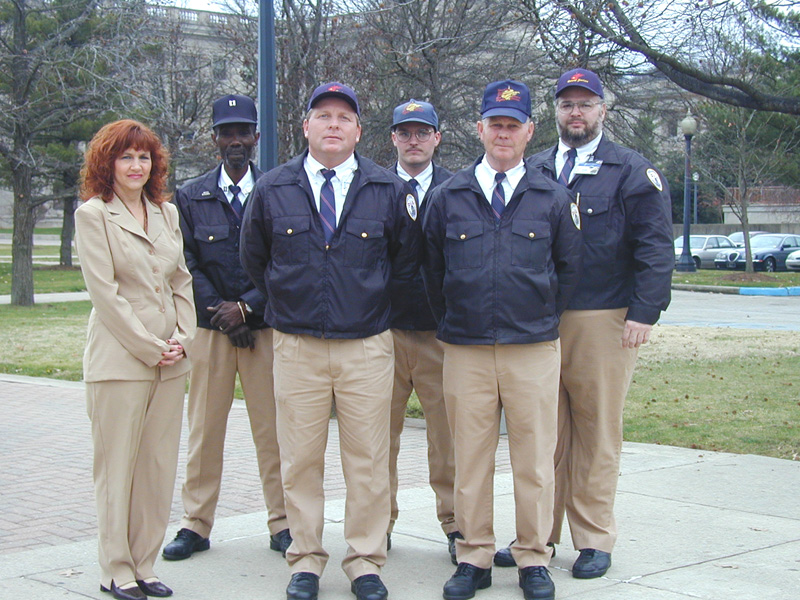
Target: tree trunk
(67, 232)
(22, 241)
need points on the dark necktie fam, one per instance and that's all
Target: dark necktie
(236, 205)
(498, 196)
(566, 170)
(414, 183)
(327, 204)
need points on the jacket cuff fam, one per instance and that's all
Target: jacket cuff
(640, 313)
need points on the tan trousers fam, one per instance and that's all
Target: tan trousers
(136, 428)
(478, 382)
(418, 357)
(311, 376)
(215, 364)
(596, 372)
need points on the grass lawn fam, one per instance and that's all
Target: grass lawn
(46, 279)
(738, 278)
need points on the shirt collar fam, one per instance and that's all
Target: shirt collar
(484, 173)
(584, 152)
(246, 184)
(344, 171)
(424, 179)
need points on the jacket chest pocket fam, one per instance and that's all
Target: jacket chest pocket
(530, 244)
(291, 239)
(595, 218)
(464, 245)
(364, 243)
(212, 241)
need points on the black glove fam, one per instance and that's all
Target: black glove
(227, 315)
(242, 337)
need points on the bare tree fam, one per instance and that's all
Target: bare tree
(707, 48)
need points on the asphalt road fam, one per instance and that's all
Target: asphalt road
(704, 309)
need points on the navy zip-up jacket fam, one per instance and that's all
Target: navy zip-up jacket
(626, 219)
(502, 282)
(341, 291)
(410, 308)
(211, 230)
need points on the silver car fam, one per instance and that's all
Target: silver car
(704, 248)
(793, 261)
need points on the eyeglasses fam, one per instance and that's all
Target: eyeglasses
(584, 107)
(422, 135)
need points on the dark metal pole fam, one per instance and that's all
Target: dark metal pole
(685, 262)
(695, 204)
(267, 109)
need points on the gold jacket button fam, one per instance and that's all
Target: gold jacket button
(211, 238)
(290, 231)
(363, 234)
(531, 235)
(463, 236)
(589, 210)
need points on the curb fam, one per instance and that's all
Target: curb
(742, 291)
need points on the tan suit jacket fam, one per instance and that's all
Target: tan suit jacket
(140, 288)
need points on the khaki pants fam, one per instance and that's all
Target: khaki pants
(478, 382)
(136, 428)
(596, 372)
(311, 376)
(418, 357)
(215, 364)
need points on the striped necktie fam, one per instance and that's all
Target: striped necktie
(566, 170)
(498, 196)
(327, 204)
(236, 204)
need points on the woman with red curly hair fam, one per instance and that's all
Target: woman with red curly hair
(135, 364)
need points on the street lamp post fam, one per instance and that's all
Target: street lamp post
(685, 262)
(695, 179)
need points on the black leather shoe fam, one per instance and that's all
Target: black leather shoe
(120, 594)
(591, 563)
(154, 588)
(281, 541)
(369, 587)
(303, 586)
(504, 558)
(451, 545)
(464, 582)
(186, 543)
(536, 583)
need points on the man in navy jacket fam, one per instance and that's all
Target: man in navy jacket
(418, 355)
(502, 259)
(628, 260)
(232, 336)
(322, 237)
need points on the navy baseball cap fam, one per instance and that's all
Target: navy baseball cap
(234, 109)
(416, 111)
(507, 98)
(334, 89)
(580, 78)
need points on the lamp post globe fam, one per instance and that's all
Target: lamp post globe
(685, 263)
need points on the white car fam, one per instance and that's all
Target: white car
(704, 248)
(793, 261)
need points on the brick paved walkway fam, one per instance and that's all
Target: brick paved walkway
(46, 495)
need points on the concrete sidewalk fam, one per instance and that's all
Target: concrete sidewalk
(693, 524)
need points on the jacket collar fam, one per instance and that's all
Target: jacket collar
(465, 179)
(121, 216)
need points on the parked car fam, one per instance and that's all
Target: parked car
(793, 261)
(737, 237)
(704, 249)
(769, 250)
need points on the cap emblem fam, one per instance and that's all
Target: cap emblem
(578, 78)
(231, 102)
(508, 94)
(412, 107)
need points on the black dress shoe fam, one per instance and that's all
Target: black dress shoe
(126, 594)
(536, 583)
(369, 587)
(281, 541)
(154, 588)
(591, 563)
(464, 582)
(451, 545)
(186, 543)
(303, 586)
(504, 558)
